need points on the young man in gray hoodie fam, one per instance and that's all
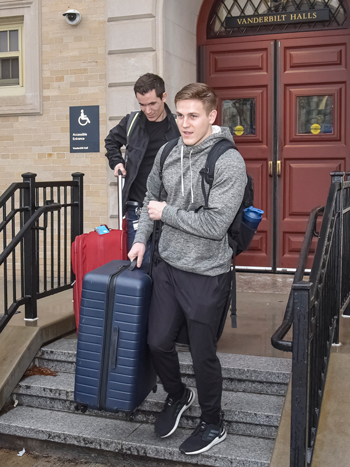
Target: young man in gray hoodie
(192, 279)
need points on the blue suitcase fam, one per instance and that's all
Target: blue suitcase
(113, 368)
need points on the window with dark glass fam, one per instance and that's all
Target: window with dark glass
(314, 115)
(239, 116)
(9, 58)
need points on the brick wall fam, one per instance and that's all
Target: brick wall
(73, 74)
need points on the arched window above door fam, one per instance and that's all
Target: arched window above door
(274, 16)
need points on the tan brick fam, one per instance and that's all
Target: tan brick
(6, 138)
(60, 149)
(58, 72)
(75, 71)
(77, 84)
(79, 77)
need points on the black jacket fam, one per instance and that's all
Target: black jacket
(136, 147)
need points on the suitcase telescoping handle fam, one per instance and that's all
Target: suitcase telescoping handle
(120, 200)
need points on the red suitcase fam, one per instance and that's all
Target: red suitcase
(90, 251)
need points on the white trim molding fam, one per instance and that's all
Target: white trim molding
(28, 99)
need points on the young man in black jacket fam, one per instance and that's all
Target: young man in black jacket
(142, 133)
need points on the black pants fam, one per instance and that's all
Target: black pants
(199, 300)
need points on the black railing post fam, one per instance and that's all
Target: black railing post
(30, 256)
(338, 178)
(77, 211)
(300, 374)
(77, 222)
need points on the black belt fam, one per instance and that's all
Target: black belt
(134, 204)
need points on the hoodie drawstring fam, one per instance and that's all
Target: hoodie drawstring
(182, 173)
(191, 177)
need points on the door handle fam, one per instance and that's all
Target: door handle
(279, 168)
(270, 168)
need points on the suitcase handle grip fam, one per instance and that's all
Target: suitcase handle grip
(114, 348)
(133, 265)
(120, 202)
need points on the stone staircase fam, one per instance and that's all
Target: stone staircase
(253, 398)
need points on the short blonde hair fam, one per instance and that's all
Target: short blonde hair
(201, 92)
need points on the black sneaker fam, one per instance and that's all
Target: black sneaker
(168, 419)
(204, 437)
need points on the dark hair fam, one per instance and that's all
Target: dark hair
(201, 92)
(148, 82)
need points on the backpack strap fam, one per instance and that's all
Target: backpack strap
(166, 151)
(132, 117)
(233, 314)
(207, 172)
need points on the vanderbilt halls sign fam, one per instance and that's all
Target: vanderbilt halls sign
(278, 18)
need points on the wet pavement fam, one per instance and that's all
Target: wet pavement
(11, 459)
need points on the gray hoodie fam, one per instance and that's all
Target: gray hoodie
(195, 241)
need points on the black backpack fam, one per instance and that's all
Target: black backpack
(239, 234)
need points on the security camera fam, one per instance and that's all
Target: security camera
(73, 17)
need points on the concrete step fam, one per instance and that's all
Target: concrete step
(245, 413)
(135, 440)
(245, 373)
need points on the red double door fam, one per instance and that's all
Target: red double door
(286, 100)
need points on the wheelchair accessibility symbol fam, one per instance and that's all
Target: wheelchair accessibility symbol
(83, 119)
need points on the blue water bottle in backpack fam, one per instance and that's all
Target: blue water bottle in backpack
(252, 217)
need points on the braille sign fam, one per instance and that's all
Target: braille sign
(84, 122)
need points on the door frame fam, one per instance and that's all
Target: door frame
(202, 41)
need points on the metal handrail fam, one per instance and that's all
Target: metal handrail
(35, 261)
(314, 309)
(10, 248)
(10, 191)
(24, 230)
(277, 340)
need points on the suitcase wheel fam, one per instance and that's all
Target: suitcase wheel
(131, 416)
(83, 408)
(77, 407)
(155, 389)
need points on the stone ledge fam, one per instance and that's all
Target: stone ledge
(130, 438)
(236, 428)
(243, 367)
(238, 406)
(20, 340)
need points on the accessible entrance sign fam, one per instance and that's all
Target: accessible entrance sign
(84, 124)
